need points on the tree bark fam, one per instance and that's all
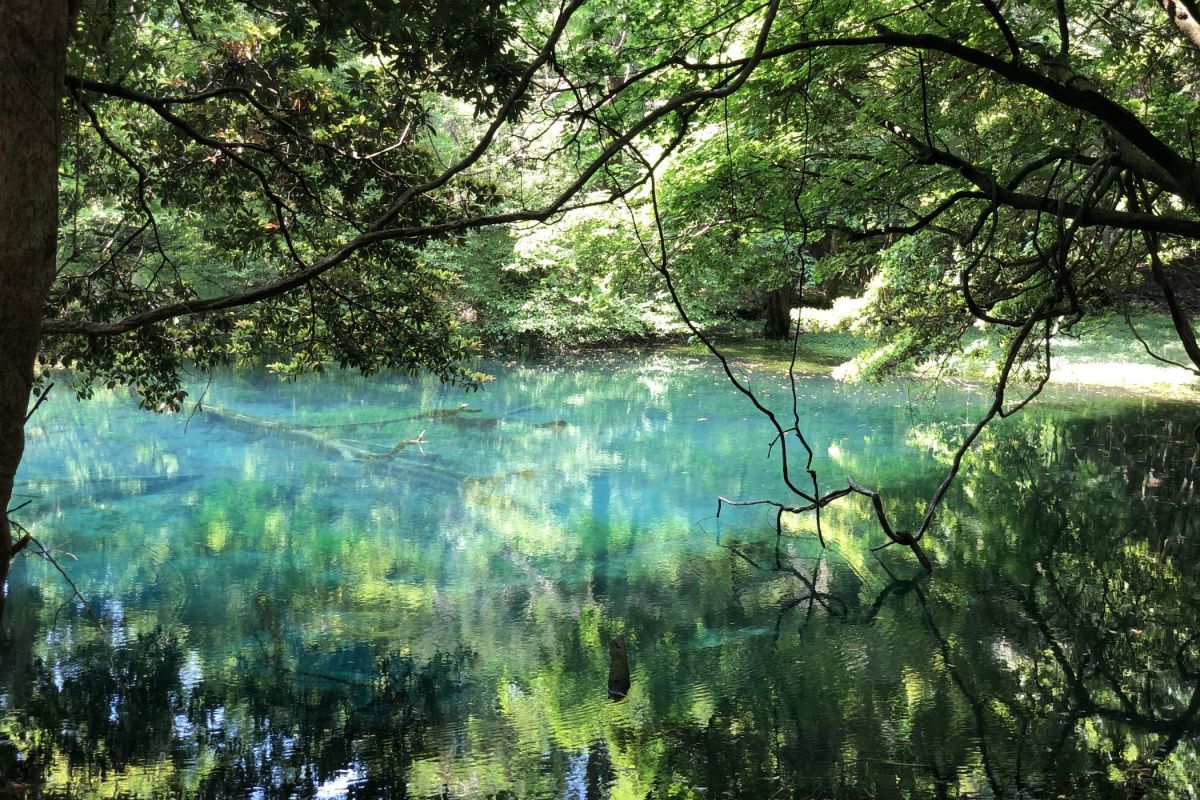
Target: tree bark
(1183, 15)
(779, 313)
(33, 46)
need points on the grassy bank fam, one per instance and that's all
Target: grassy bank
(1099, 353)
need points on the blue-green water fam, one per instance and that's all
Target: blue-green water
(289, 607)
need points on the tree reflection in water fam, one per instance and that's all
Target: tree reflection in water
(1065, 657)
(1055, 652)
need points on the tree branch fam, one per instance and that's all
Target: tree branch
(377, 232)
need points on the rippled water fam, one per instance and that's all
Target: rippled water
(289, 604)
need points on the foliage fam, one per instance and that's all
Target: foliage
(579, 282)
(994, 169)
(214, 146)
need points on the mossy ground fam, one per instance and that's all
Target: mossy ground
(1099, 353)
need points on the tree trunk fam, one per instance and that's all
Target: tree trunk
(33, 41)
(779, 313)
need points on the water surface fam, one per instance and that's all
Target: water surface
(281, 602)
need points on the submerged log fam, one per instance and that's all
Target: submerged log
(462, 416)
(351, 451)
(442, 414)
(500, 477)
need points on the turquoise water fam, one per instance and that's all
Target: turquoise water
(284, 602)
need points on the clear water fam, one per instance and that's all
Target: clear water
(289, 609)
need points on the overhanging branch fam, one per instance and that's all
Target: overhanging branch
(378, 232)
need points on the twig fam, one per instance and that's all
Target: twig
(199, 404)
(44, 553)
(815, 501)
(41, 399)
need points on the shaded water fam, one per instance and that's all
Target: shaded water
(305, 611)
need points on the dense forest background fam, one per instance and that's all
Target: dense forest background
(955, 164)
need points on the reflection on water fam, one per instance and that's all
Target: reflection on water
(532, 599)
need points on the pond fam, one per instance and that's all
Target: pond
(389, 588)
